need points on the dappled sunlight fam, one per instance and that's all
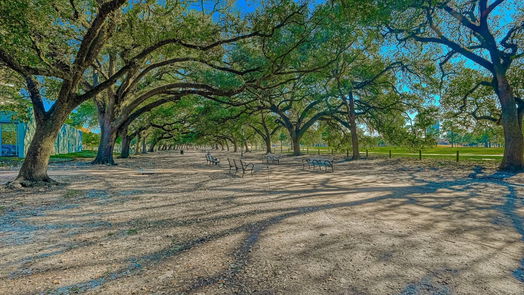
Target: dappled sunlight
(166, 222)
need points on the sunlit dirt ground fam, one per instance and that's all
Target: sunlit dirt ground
(165, 223)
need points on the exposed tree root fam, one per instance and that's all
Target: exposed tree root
(22, 182)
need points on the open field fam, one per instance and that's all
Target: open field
(444, 153)
(165, 223)
(441, 153)
(443, 150)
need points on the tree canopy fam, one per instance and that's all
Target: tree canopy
(204, 72)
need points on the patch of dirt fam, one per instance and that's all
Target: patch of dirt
(165, 223)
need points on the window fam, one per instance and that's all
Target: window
(8, 140)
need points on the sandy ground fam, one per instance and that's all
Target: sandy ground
(166, 223)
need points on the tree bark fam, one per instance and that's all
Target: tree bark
(513, 159)
(34, 168)
(137, 145)
(126, 145)
(352, 119)
(235, 146)
(152, 146)
(295, 140)
(268, 144)
(107, 142)
(48, 123)
(144, 145)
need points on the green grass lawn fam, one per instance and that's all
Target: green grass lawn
(78, 155)
(440, 150)
(465, 153)
(444, 153)
(10, 161)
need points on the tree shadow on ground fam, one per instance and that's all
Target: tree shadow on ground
(461, 203)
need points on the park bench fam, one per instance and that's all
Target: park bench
(272, 158)
(316, 162)
(247, 167)
(240, 165)
(232, 165)
(211, 160)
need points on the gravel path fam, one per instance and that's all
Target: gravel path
(165, 223)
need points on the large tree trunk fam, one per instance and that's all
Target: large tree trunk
(295, 140)
(246, 147)
(235, 146)
(34, 168)
(296, 146)
(144, 145)
(513, 159)
(352, 119)
(108, 134)
(105, 151)
(267, 140)
(107, 143)
(137, 145)
(152, 146)
(126, 145)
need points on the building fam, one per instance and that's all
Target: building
(15, 137)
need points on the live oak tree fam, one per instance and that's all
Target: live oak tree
(167, 75)
(367, 86)
(171, 122)
(160, 78)
(163, 132)
(467, 30)
(55, 47)
(298, 58)
(468, 96)
(266, 126)
(228, 125)
(117, 112)
(299, 106)
(133, 132)
(468, 100)
(280, 55)
(38, 47)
